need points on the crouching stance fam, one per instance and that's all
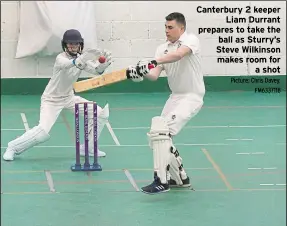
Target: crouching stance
(59, 94)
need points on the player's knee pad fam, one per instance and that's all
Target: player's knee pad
(160, 142)
(32, 137)
(176, 169)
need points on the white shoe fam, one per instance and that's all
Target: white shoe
(91, 152)
(9, 154)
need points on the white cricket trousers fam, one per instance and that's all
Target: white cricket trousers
(51, 109)
(179, 109)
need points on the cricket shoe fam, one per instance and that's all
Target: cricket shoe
(155, 187)
(9, 154)
(91, 152)
(185, 183)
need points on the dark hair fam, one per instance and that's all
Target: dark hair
(178, 17)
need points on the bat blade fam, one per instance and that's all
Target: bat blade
(104, 80)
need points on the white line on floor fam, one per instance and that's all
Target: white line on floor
(203, 127)
(266, 168)
(250, 153)
(130, 145)
(24, 119)
(12, 129)
(273, 184)
(231, 139)
(113, 134)
(191, 127)
(50, 180)
(131, 179)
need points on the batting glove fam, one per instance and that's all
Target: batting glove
(133, 75)
(144, 66)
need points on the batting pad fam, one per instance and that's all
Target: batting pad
(32, 137)
(176, 168)
(160, 142)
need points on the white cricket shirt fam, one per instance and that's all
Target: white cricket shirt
(65, 74)
(184, 76)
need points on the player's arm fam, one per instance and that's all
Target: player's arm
(189, 46)
(80, 62)
(154, 73)
(174, 56)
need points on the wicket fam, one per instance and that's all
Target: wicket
(86, 166)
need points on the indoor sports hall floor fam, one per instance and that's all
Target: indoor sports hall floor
(234, 149)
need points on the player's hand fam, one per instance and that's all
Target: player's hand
(82, 59)
(144, 66)
(133, 75)
(103, 66)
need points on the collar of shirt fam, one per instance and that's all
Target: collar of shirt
(180, 40)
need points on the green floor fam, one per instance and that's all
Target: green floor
(234, 149)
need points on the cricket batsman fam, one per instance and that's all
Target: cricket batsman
(180, 58)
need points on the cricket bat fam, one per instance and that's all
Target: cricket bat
(103, 80)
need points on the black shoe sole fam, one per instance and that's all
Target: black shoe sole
(180, 186)
(154, 193)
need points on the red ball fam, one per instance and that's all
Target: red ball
(102, 59)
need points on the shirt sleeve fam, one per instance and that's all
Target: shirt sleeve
(158, 54)
(63, 62)
(192, 42)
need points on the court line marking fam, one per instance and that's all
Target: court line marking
(235, 139)
(128, 145)
(132, 191)
(156, 107)
(134, 145)
(25, 122)
(266, 168)
(131, 179)
(50, 180)
(125, 181)
(217, 168)
(104, 170)
(250, 153)
(12, 129)
(186, 127)
(208, 178)
(204, 127)
(116, 140)
(272, 184)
